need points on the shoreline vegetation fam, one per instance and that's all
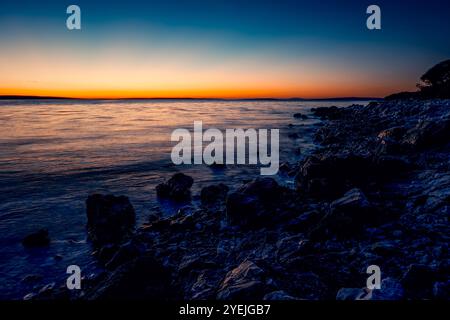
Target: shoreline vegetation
(377, 192)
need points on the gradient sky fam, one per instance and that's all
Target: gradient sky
(214, 48)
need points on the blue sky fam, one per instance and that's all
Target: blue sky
(328, 36)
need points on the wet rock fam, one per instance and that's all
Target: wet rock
(352, 294)
(391, 289)
(254, 204)
(110, 219)
(31, 278)
(300, 116)
(214, 194)
(182, 223)
(326, 112)
(245, 282)
(39, 238)
(125, 253)
(177, 188)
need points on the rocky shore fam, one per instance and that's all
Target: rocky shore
(377, 192)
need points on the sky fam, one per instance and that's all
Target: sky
(219, 49)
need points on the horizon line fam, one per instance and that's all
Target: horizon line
(38, 97)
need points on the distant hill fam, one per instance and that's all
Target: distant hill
(19, 97)
(30, 97)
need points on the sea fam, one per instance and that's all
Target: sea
(54, 153)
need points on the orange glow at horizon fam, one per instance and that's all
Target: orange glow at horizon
(115, 72)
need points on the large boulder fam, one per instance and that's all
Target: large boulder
(330, 113)
(214, 194)
(110, 219)
(254, 204)
(330, 176)
(347, 215)
(177, 188)
(39, 238)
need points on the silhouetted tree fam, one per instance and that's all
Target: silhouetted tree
(435, 83)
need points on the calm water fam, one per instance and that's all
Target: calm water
(54, 154)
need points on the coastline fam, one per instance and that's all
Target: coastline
(376, 193)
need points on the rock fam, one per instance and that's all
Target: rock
(279, 295)
(110, 219)
(330, 176)
(245, 282)
(304, 221)
(326, 112)
(441, 290)
(391, 289)
(141, 278)
(178, 188)
(395, 133)
(253, 205)
(308, 286)
(418, 280)
(291, 247)
(39, 238)
(30, 278)
(214, 194)
(300, 116)
(352, 294)
(348, 215)
(428, 133)
(125, 253)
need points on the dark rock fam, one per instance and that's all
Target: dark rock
(291, 247)
(279, 295)
(214, 194)
(391, 289)
(428, 133)
(307, 286)
(125, 253)
(141, 278)
(178, 188)
(418, 280)
(300, 116)
(30, 278)
(330, 176)
(441, 290)
(245, 282)
(254, 204)
(39, 238)
(347, 216)
(110, 219)
(326, 112)
(352, 294)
